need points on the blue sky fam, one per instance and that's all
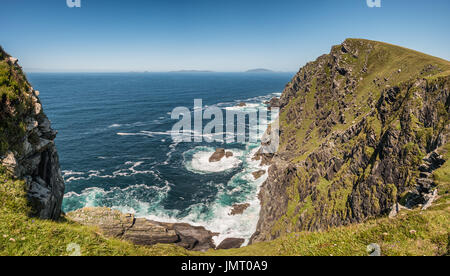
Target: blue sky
(225, 35)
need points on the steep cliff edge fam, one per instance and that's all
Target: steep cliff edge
(27, 148)
(362, 130)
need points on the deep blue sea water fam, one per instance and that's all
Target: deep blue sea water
(116, 151)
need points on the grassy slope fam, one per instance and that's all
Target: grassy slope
(21, 235)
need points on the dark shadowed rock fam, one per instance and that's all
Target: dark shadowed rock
(217, 156)
(231, 243)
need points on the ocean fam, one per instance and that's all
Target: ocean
(116, 150)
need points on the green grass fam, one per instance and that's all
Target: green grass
(21, 235)
(411, 233)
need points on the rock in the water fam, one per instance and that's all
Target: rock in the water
(228, 154)
(217, 156)
(239, 209)
(231, 243)
(242, 104)
(258, 174)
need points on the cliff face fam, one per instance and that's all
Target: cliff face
(361, 133)
(27, 148)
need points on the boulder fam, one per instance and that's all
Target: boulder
(242, 104)
(217, 156)
(141, 231)
(231, 243)
(238, 209)
(145, 232)
(258, 174)
(228, 154)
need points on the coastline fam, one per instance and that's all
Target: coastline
(217, 218)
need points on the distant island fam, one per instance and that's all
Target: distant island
(259, 70)
(192, 71)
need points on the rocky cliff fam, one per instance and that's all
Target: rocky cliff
(27, 147)
(361, 131)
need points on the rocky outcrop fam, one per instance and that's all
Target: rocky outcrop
(274, 103)
(360, 134)
(258, 174)
(231, 243)
(238, 209)
(29, 150)
(141, 231)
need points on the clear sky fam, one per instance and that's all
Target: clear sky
(220, 35)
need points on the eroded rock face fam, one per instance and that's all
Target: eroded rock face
(33, 156)
(358, 137)
(141, 231)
